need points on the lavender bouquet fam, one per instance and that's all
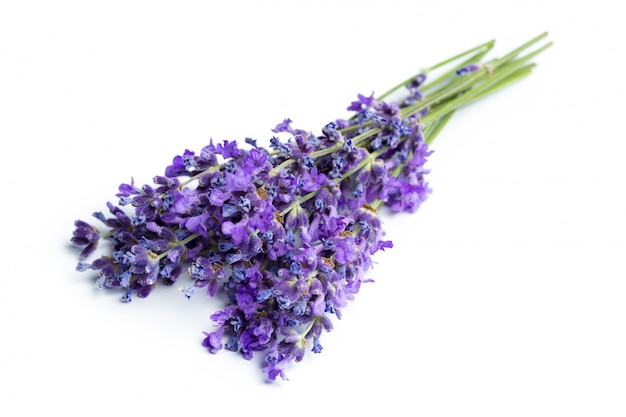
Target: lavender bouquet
(286, 235)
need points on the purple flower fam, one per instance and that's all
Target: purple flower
(263, 330)
(127, 297)
(227, 149)
(213, 340)
(345, 250)
(197, 224)
(283, 126)
(185, 201)
(217, 197)
(238, 232)
(278, 359)
(189, 291)
(317, 347)
(246, 301)
(180, 165)
(85, 236)
(361, 103)
(468, 69)
(238, 180)
(255, 161)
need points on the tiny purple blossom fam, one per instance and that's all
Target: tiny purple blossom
(283, 126)
(213, 340)
(468, 69)
(361, 103)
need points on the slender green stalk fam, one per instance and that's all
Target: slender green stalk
(182, 242)
(490, 80)
(491, 74)
(484, 48)
(515, 52)
(431, 131)
(513, 77)
(452, 72)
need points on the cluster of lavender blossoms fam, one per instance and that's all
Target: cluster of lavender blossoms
(286, 234)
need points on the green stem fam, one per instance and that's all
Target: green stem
(355, 141)
(513, 77)
(107, 234)
(282, 166)
(515, 52)
(201, 174)
(492, 77)
(182, 242)
(484, 48)
(298, 202)
(368, 159)
(431, 131)
(504, 74)
(452, 72)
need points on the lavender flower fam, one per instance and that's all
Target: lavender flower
(288, 233)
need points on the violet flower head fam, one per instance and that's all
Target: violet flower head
(286, 233)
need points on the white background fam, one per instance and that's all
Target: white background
(503, 296)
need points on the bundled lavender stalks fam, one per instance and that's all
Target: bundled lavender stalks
(286, 233)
